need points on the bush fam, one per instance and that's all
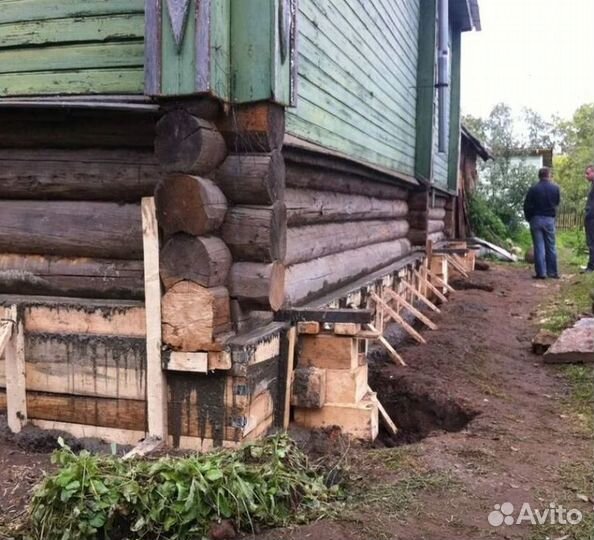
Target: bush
(485, 222)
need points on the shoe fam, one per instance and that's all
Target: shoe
(556, 276)
(539, 277)
(587, 271)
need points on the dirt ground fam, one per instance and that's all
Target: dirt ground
(483, 422)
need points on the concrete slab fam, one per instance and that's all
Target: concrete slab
(574, 345)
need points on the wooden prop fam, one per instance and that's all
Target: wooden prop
(430, 285)
(391, 351)
(440, 281)
(292, 336)
(453, 260)
(425, 320)
(14, 354)
(387, 421)
(382, 304)
(422, 298)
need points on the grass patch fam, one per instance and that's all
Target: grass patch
(576, 483)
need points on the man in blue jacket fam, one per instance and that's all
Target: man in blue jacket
(540, 210)
(589, 220)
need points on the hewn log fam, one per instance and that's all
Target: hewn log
(313, 241)
(263, 284)
(417, 219)
(306, 207)
(418, 237)
(318, 178)
(253, 178)
(193, 315)
(65, 127)
(434, 226)
(188, 144)
(310, 279)
(439, 202)
(205, 260)
(189, 204)
(418, 200)
(256, 233)
(72, 277)
(99, 175)
(436, 213)
(68, 228)
(256, 127)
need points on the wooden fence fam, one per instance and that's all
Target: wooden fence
(568, 219)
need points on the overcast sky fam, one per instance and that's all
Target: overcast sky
(533, 53)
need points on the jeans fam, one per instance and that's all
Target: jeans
(545, 251)
(590, 241)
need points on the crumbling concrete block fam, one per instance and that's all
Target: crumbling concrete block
(309, 388)
(575, 344)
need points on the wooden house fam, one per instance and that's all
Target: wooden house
(174, 174)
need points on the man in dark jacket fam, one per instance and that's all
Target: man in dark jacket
(589, 219)
(540, 210)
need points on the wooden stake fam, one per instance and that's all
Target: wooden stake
(391, 351)
(425, 320)
(425, 301)
(397, 318)
(387, 421)
(441, 281)
(456, 264)
(156, 382)
(432, 287)
(16, 383)
(292, 336)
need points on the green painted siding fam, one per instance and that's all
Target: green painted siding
(357, 79)
(71, 47)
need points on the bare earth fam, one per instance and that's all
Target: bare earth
(484, 421)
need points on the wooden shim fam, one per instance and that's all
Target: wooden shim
(192, 316)
(258, 127)
(187, 144)
(71, 228)
(347, 329)
(440, 281)
(261, 283)
(430, 285)
(189, 204)
(156, 383)
(205, 260)
(256, 233)
(422, 298)
(73, 277)
(292, 338)
(313, 241)
(308, 327)
(382, 304)
(384, 416)
(144, 448)
(314, 278)
(196, 362)
(425, 320)
(87, 365)
(91, 175)
(307, 207)
(253, 179)
(16, 383)
(327, 351)
(359, 316)
(391, 351)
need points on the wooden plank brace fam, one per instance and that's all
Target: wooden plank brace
(16, 383)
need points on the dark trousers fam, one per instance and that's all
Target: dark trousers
(590, 241)
(545, 249)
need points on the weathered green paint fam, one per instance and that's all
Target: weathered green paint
(87, 29)
(455, 116)
(426, 90)
(71, 47)
(87, 81)
(357, 80)
(37, 10)
(220, 44)
(178, 68)
(257, 70)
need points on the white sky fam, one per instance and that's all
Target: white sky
(530, 53)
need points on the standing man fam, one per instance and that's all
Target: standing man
(589, 219)
(540, 210)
